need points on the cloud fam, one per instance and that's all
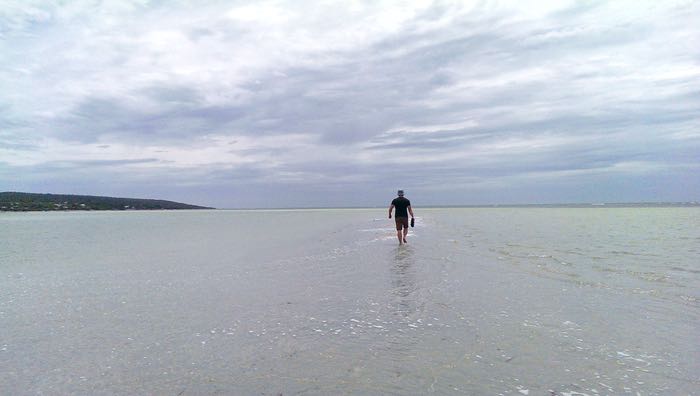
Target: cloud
(317, 99)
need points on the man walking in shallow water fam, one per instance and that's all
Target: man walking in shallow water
(403, 207)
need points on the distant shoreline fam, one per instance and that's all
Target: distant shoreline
(34, 202)
(31, 202)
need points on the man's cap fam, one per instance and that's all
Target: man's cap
(400, 193)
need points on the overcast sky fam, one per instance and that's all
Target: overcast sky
(288, 104)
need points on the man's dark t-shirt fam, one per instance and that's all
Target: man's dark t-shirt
(401, 204)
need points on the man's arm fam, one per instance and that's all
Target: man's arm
(410, 210)
(390, 209)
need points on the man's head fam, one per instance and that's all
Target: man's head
(400, 193)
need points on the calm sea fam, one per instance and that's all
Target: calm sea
(503, 301)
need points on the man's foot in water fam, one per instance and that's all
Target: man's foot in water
(405, 241)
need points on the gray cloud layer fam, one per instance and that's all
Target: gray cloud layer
(273, 104)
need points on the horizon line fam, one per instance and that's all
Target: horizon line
(573, 204)
(429, 206)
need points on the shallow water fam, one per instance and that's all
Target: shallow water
(541, 301)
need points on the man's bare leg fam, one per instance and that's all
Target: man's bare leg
(405, 232)
(398, 235)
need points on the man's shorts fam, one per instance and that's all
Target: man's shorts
(401, 222)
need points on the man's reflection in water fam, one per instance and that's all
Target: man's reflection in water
(405, 307)
(403, 281)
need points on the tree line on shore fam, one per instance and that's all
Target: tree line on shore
(21, 202)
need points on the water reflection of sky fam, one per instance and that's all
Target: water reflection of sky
(228, 302)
